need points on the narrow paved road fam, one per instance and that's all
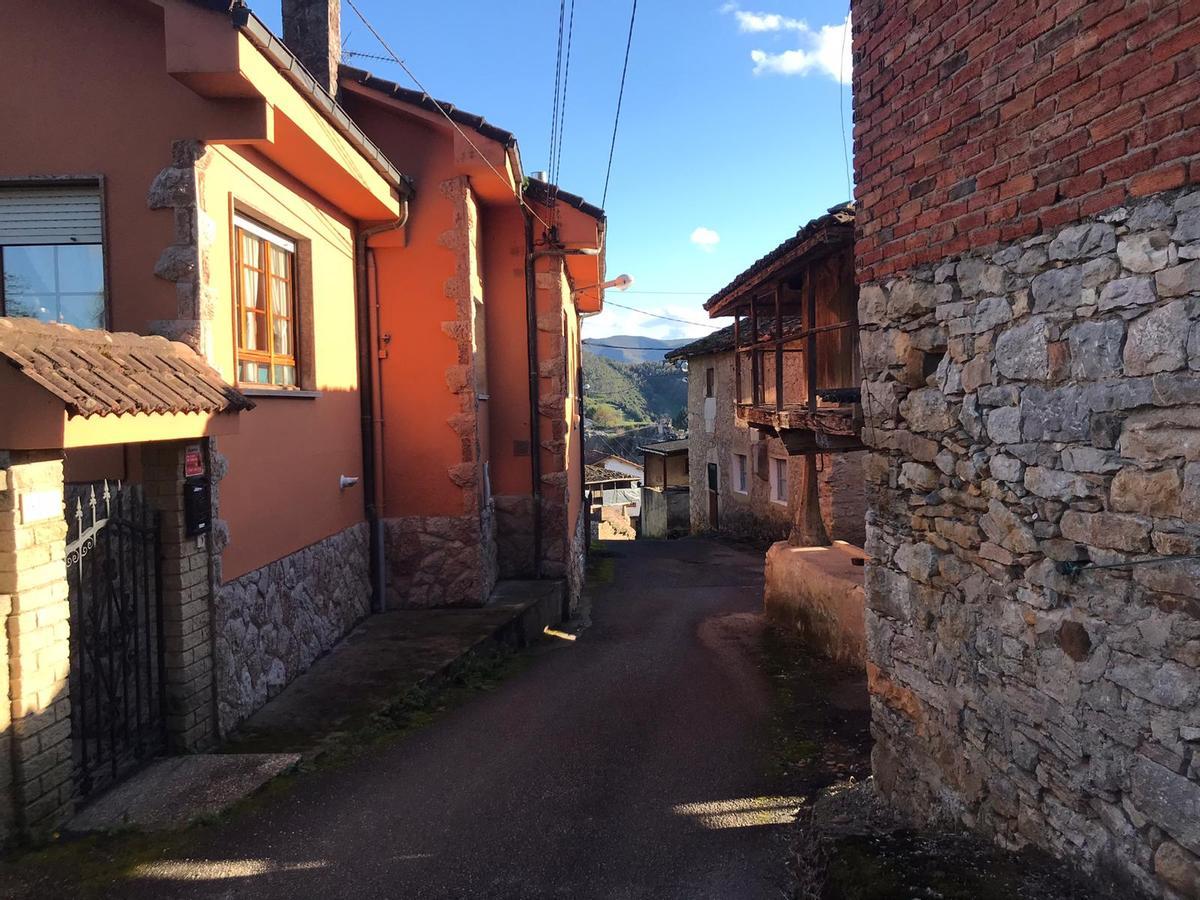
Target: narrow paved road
(613, 767)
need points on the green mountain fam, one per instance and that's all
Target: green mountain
(635, 392)
(632, 348)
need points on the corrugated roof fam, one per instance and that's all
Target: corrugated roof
(476, 123)
(593, 474)
(721, 340)
(98, 373)
(543, 192)
(836, 226)
(666, 446)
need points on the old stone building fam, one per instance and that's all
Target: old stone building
(758, 485)
(1028, 251)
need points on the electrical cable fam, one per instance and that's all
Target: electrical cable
(711, 325)
(562, 106)
(842, 106)
(620, 96)
(516, 194)
(562, 15)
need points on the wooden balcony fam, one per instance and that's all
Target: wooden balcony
(805, 430)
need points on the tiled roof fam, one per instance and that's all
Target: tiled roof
(666, 446)
(98, 373)
(417, 98)
(543, 192)
(722, 340)
(835, 226)
(593, 474)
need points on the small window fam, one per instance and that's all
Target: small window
(779, 480)
(710, 382)
(741, 474)
(266, 289)
(51, 255)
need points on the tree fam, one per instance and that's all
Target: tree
(606, 416)
(681, 419)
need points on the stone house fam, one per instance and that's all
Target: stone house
(209, 310)
(745, 379)
(1028, 254)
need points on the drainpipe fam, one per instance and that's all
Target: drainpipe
(535, 450)
(535, 441)
(368, 365)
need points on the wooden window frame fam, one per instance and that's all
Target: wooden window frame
(267, 238)
(710, 382)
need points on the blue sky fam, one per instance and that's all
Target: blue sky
(730, 122)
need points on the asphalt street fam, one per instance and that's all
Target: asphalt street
(632, 762)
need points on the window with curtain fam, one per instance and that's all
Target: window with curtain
(266, 290)
(51, 254)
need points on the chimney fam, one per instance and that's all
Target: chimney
(312, 30)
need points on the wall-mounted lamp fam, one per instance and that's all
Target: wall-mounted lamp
(620, 283)
(347, 481)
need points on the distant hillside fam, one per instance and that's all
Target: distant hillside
(633, 348)
(637, 392)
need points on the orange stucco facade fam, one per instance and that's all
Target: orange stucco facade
(409, 465)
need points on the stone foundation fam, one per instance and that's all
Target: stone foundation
(274, 622)
(1060, 425)
(577, 561)
(437, 561)
(514, 536)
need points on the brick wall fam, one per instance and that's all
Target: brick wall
(983, 122)
(37, 791)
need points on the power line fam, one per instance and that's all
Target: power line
(590, 343)
(562, 110)
(562, 16)
(842, 105)
(673, 293)
(446, 115)
(660, 316)
(620, 95)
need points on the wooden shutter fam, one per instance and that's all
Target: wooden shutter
(50, 215)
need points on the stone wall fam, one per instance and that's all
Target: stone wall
(274, 622)
(514, 536)
(1060, 428)
(436, 561)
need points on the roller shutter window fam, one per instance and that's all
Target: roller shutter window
(52, 255)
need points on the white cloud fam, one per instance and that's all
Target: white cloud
(824, 50)
(705, 238)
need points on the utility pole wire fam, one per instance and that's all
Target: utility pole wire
(562, 107)
(842, 105)
(660, 316)
(562, 15)
(620, 97)
(446, 115)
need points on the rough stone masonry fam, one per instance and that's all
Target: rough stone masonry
(1028, 256)
(1061, 426)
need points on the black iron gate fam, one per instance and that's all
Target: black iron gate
(117, 677)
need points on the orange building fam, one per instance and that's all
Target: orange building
(277, 382)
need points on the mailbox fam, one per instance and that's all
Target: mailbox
(197, 506)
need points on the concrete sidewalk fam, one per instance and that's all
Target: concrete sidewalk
(387, 656)
(378, 664)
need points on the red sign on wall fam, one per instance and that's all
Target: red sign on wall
(193, 462)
